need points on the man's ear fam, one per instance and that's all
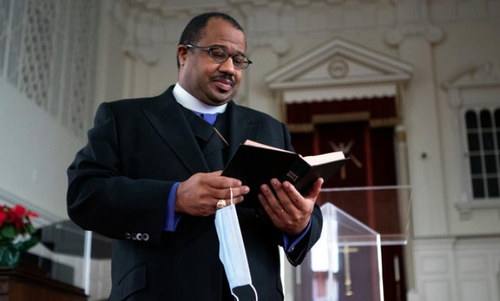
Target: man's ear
(182, 52)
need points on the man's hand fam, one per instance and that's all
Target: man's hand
(290, 211)
(198, 195)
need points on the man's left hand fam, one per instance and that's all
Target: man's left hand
(289, 210)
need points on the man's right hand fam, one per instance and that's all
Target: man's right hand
(198, 195)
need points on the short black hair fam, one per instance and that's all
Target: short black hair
(194, 31)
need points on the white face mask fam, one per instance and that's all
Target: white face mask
(232, 252)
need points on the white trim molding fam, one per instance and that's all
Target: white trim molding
(465, 206)
(339, 93)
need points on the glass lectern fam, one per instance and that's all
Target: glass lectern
(345, 264)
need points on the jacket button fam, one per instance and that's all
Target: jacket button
(145, 236)
(139, 236)
(127, 235)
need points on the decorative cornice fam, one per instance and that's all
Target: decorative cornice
(413, 20)
(150, 24)
(279, 45)
(310, 77)
(482, 75)
(432, 33)
(145, 33)
(176, 8)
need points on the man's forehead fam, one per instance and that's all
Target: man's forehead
(219, 32)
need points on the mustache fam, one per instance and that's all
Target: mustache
(224, 77)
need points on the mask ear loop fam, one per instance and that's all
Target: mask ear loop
(254, 291)
(231, 193)
(236, 297)
(251, 285)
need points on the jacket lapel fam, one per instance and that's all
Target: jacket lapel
(242, 127)
(169, 122)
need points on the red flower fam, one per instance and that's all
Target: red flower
(19, 210)
(18, 216)
(32, 214)
(15, 224)
(3, 216)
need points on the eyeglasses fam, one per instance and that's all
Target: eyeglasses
(220, 55)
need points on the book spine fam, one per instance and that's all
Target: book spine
(297, 173)
(304, 185)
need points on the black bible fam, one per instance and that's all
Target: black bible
(255, 164)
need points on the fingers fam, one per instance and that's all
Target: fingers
(215, 180)
(290, 197)
(296, 199)
(287, 198)
(287, 221)
(225, 193)
(284, 198)
(287, 208)
(236, 200)
(269, 203)
(220, 187)
(198, 196)
(275, 206)
(316, 189)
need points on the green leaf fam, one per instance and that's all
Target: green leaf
(8, 231)
(30, 229)
(26, 245)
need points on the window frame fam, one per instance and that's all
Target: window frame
(474, 89)
(482, 152)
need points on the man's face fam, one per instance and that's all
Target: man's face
(211, 82)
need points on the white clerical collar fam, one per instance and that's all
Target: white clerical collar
(192, 103)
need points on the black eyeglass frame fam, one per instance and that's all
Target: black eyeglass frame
(246, 61)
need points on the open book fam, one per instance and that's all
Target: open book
(255, 164)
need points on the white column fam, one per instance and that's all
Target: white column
(421, 121)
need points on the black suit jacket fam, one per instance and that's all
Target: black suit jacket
(119, 184)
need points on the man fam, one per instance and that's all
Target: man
(150, 178)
